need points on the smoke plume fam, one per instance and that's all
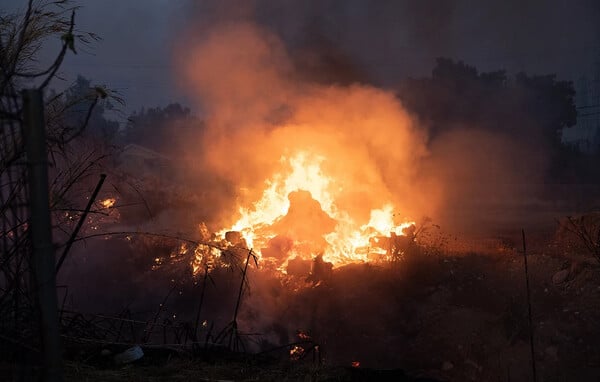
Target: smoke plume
(259, 110)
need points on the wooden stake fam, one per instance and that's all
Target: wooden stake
(80, 222)
(533, 370)
(40, 229)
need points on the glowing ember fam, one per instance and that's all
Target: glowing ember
(108, 203)
(355, 363)
(296, 352)
(297, 218)
(303, 336)
(205, 258)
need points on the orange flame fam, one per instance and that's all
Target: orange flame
(303, 336)
(297, 217)
(108, 202)
(320, 170)
(296, 352)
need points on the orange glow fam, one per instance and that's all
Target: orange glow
(303, 336)
(296, 352)
(108, 203)
(316, 170)
(297, 217)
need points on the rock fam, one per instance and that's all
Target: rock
(447, 366)
(129, 355)
(560, 276)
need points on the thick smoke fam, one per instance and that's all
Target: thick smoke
(271, 77)
(490, 182)
(397, 38)
(259, 110)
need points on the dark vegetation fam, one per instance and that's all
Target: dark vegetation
(455, 310)
(529, 109)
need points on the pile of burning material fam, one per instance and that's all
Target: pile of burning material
(297, 220)
(299, 226)
(284, 255)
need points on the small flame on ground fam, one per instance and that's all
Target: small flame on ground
(296, 352)
(303, 336)
(108, 202)
(205, 258)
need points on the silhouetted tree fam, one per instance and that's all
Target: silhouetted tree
(79, 97)
(532, 109)
(550, 103)
(156, 128)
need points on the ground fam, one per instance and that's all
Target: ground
(456, 311)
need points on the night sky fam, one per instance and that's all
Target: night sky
(388, 39)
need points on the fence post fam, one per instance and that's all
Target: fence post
(40, 228)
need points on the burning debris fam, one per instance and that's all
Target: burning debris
(296, 227)
(303, 335)
(332, 176)
(296, 352)
(306, 345)
(298, 218)
(108, 202)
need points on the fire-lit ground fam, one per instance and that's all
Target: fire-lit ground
(435, 304)
(450, 309)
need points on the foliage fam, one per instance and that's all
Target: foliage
(533, 109)
(457, 93)
(22, 36)
(153, 127)
(82, 107)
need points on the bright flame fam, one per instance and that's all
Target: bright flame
(297, 217)
(205, 258)
(296, 352)
(108, 202)
(326, 167)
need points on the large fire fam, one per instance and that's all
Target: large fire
(311, 171)
(297, 218)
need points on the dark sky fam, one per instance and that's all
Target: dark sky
(390, 39)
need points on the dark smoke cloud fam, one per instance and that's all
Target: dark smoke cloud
(393, 39)
(342, 42)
